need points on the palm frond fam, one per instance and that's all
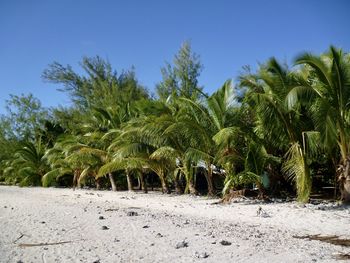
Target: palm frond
(296, 169)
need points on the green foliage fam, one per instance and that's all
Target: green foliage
(234, 181)
(27, 166)
(276, 122)
(181, 79)
(296, 168)
(25, 117)
(100, 87)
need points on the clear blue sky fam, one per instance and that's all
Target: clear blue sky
(226, 34)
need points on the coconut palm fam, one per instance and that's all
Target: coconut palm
(277, 123)
(133, 151)
(325, 86)
(28, 165)
(69, 156)
(57, 159)
(198, 123)
(170, 144)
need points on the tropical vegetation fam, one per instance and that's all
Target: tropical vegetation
(278, 130)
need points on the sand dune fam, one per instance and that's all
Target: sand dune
(59, 225)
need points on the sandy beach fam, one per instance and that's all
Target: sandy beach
(62, 225)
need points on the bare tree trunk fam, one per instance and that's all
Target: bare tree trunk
(76, 179)
(111, 179)
(210, 186)
(143, 183)
(190, 185)
(192, 188)
(209, 178)
(129, 180)
(139, 187)
(178, 188)
(165, 188)
(98, 185)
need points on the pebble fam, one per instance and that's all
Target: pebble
(201, 255)
(132, 213)
(181, 244)
(105, 228)
(225, 243)
(101, 217)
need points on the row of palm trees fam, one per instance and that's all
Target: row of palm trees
(275, 123)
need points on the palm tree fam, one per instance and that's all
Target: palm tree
(71, 156)
(28, 165)
(277, 123)
(133, 151)
(60, 165)
(326, 87)
(199, 122)
(100, 130)
(171, 146)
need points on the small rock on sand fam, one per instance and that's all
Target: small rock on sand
(201, 255)
(225, 243)
(132, 213)
(181, 244)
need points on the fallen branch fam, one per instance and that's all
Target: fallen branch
(111, 209)
(22, 235)
(43, 244)
(335, 240)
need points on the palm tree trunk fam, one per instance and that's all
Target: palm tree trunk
(111, 179)
(129, 180)
(210, 186)
(344, 180)
(165, 188)
(192, 188)
(334, 162)
(76, 179)
(344, 168)
(143, 183)
(178, 189)
(190, 184)
(98, 185)
(209, 177)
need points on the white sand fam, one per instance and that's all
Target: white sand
(39, 215)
